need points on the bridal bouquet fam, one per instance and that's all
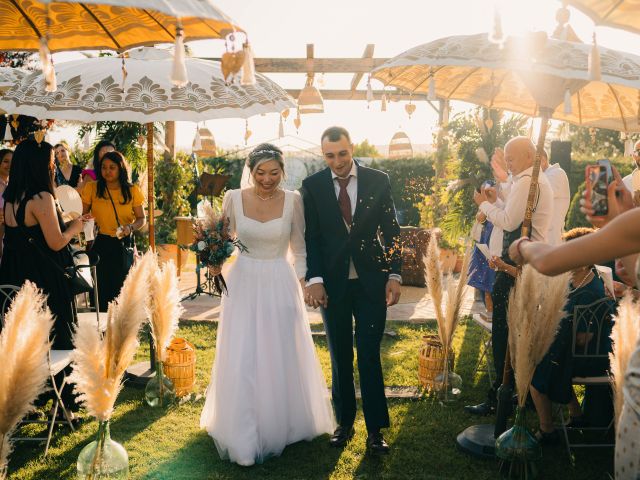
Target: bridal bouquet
(213, 244)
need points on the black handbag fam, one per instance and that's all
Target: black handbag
(128, 254)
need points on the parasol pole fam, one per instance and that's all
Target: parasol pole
(505, 392)
(150, 191)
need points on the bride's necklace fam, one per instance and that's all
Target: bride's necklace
(264, 198)
(582, 282)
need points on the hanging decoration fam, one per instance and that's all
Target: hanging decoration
(233, 59)
(86, 141)
(628, 144)
(496, 35)
(248, 66)
(369, 92)
(567, 102)
(383, 102)
(297, 121)
(595, 72)
(280, 127)
(285, 113)
(400, 146)
(247, 132)
(124, 73)
(179, 71)
(310, 98)
(410, 108)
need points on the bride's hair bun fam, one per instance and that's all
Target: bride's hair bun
(263, 153)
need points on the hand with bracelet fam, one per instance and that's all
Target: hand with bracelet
(500, 265)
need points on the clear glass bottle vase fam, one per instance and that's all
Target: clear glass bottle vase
(160, 391)
(103, 458)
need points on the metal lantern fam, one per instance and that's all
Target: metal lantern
(207, 144)
(400, 146)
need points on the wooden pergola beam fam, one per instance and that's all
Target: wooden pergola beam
(392, 95)
(368, 53)
(316, 65)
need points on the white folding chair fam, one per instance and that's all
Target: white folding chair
(593, 321)
(58, 361)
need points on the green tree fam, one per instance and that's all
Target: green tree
(365, 149)
(595, 142)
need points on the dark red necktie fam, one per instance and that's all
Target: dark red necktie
(343, 199)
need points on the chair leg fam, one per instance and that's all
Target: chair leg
(565, 432)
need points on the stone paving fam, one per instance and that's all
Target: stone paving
(415, 304)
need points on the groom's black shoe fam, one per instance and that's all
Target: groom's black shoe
(376, 443)
(341, 436)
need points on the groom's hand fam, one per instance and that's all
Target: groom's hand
(393, 292)
(317, 295)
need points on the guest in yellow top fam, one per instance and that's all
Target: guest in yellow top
(116, 205)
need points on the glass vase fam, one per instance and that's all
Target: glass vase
(160, 391)
(448, 384)
(518, 450)
(103, 458)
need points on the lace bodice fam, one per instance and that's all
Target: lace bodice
(272, 239)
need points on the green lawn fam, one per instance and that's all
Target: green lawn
(169, 444)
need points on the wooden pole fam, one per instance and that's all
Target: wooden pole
(150, 189)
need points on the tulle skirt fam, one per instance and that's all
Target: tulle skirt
(267, 389)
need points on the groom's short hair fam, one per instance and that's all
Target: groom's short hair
(334, 134)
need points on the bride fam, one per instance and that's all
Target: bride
(267, 389)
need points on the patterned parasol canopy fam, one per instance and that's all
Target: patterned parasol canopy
(534, 75)
(91, 90)
(622, 14)
(9, 77)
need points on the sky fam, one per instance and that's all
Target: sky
(342, 28)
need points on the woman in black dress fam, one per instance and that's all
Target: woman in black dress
(66, 172)
(35, 236)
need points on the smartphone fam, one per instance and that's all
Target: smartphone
(597, 179)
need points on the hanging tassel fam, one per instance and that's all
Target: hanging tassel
(197, 141)
(281, 128)
(496, 35)
(179, 70)
(383, 103)
(7, 133)
(51, 83)
(296, 121)
(568, 110)
(247, 132)
(369, 92)
(595, 72)
(124, 74)
(248, 66)
(432, 87)
(628, 146)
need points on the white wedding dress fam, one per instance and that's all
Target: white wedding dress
(267, 389)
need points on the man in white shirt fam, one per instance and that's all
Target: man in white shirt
(628, 180)
(561, 197)
(519, 154)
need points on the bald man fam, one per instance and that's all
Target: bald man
(519, 154)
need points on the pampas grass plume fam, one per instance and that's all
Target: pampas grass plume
(165, 308)
(24, 347)
(100, 362)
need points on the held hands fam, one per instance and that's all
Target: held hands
(488, 194)
(499, 166)
(619, 200)
(316, 296)
(392, 292)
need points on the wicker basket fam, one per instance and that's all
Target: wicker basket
(180, 365)
(431, 361)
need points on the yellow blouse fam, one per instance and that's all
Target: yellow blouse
(102, 210)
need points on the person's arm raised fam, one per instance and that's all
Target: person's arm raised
(618, 239)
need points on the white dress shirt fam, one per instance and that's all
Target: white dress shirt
(561, 200)
(352, 191)
(509, 215)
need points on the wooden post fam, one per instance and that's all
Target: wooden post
(150, 189)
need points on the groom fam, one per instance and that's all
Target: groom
(352, 275)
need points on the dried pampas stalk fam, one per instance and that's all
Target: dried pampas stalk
(455, 293)
(24, 347)
(165, 308)
(435, 281)
(99, 363)
(536, 306)
(624, 335)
